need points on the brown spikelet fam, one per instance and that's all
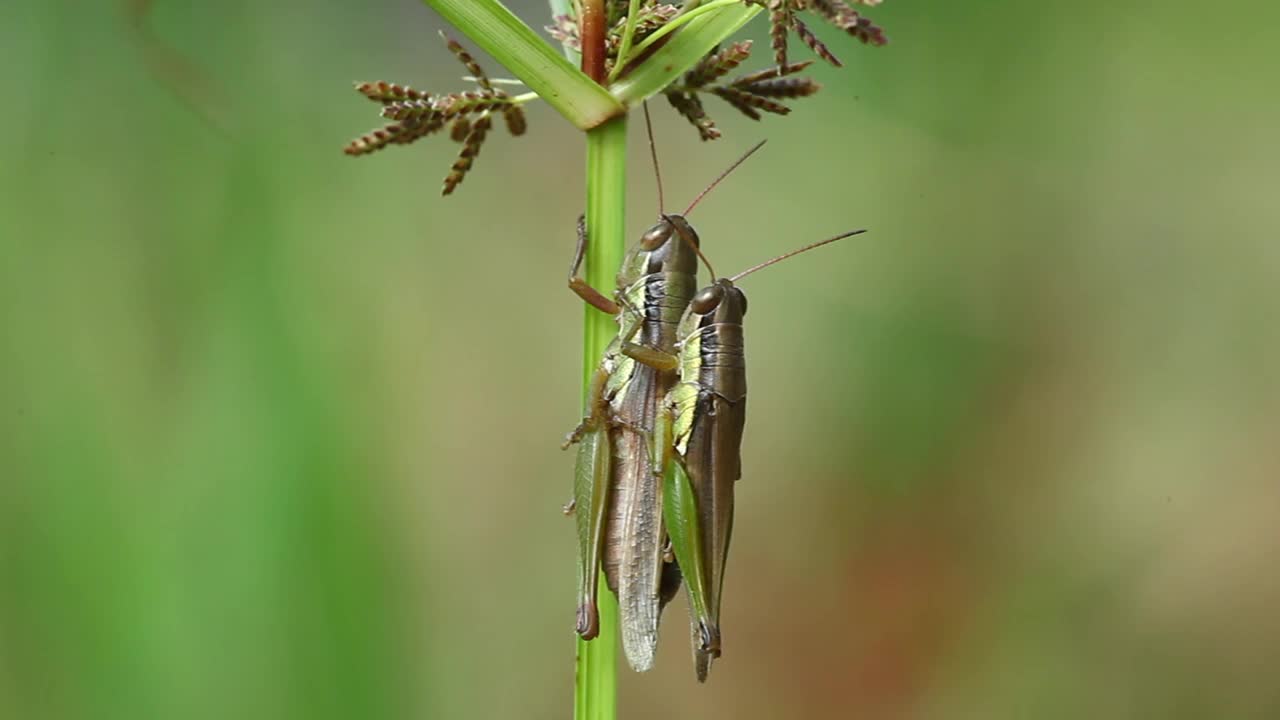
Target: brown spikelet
(781, 87)
(717, 64)
(783, 16)
(514, 117)
(808, 38)
(419, 127)
(863, 29)
(467, 61)
(470, 149)
(840, 14)
(564, 29)
(825, 8)
(463, 103)
(417, 114)
(374, 140)
(739, 99)
(648, 19)
(402, 109)
(829, 9)
(733, 97)
(772, 72)
(385, 92)
(460, 129)
(749, 94)
(780, 17)
(397, 133)
(690, 107)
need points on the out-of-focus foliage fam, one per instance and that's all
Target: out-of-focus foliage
(278, 430)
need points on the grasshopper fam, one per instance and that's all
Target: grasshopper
(617, 491)
(700, 427)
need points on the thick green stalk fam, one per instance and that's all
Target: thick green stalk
(489, 24)
(595, 696)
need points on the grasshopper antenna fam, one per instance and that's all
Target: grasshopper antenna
(653, 153)
(697, 250)
(657, 174)
(723, 175)
(793, 253)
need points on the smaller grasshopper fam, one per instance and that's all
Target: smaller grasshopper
(700, 426)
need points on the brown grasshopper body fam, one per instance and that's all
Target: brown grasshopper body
(617, 491)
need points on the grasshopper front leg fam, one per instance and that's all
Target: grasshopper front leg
(654, 358)
(578, 284)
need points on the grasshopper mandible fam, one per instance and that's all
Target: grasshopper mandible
(617, 491)
(700, 426)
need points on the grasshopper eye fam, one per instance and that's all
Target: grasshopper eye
(655, 236)
(742, 300)
(707, 300)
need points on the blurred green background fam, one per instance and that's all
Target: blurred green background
(279, 428)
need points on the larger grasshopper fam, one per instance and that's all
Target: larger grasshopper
(617, 490)
(700, 427)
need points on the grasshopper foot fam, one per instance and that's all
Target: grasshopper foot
(706, 648)
(588, 624)
(575, 436)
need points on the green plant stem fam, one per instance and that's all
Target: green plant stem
(490, 25)
(595, 692)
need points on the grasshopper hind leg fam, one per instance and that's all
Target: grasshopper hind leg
(591, 499)
(592, 473)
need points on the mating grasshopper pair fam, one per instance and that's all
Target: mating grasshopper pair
(659, 448)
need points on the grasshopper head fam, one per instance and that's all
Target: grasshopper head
(669, 246)
(719, 302)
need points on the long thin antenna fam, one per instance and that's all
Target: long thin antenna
(723, 175)
(653, 152)
(782, 257)
(697, 250)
